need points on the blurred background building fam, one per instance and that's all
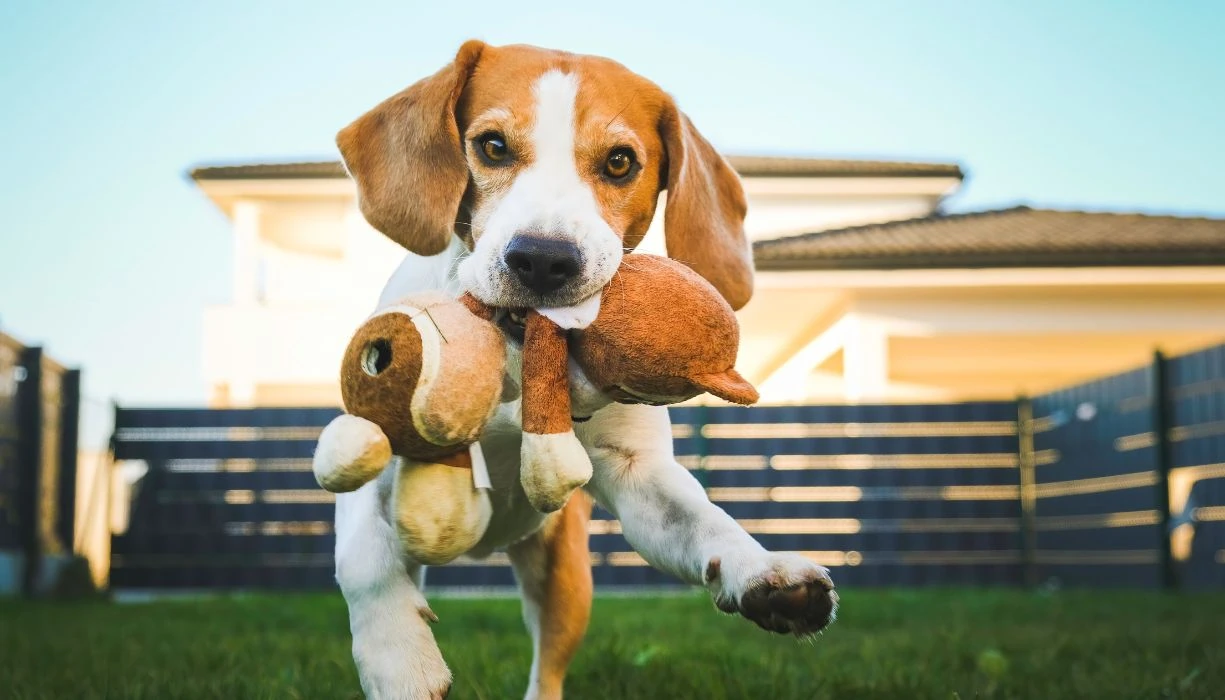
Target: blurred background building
(867, 292)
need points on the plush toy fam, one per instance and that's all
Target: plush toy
(662, 335)
(419, 380)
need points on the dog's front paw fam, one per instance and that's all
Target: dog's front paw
(440, 693)
(385, 675)
(783, 593)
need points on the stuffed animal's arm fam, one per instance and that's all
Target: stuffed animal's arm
(478, 308)
(546, 381)
(554, 463)
(351, 451)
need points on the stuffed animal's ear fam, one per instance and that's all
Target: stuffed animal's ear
(704, 216)
(729, 386)
(408, 160)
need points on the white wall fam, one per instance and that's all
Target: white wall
(309, 268)
(984, 339)
(771, 217)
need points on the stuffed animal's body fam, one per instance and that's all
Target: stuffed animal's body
(663, 335)
(419, 380)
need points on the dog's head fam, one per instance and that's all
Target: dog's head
(549, 166)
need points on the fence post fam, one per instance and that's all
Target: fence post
(1027, 493)
(1164, 452)
(70, 416)
(699, 444)
(29, 406)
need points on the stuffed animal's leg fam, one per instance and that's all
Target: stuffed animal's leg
(351, 451)
(554, 462)
(439, 512)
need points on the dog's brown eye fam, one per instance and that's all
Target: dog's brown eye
(620, 164)
(493, 148)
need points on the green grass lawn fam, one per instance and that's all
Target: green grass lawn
(886, 644)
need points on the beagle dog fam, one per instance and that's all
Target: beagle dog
(522, 175)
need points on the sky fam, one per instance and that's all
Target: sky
(109, 254)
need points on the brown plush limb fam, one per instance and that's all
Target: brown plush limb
(478, 308)
(553, 461)
(546, 383)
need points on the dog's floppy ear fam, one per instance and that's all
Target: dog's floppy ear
(704, 215)
(408, 161)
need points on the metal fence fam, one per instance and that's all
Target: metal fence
(1119, 481)
(895, 495)
(1097, 499)
(1195, 466)
(39, 411)
(1129, 486)
(883, 495)
(10, 370)
(229, 500)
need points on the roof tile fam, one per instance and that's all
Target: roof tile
(1014, 237)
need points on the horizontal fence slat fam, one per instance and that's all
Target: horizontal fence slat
(918, 511)
(216, 449)
(198, 481)
(238, 538)
(862, 453)
(882, 478)
(230, 577)
(222, 417)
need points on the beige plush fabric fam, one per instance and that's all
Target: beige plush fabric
(467, 386)
(439, 513)
(552, 466)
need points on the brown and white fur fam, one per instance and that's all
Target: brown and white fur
(422, 179)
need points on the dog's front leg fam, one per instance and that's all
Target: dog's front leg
(668, 519)
(393, 647)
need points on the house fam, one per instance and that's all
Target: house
(984, 305)
(867, 291)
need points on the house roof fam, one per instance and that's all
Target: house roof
(307, 170)
(747, 166)
(1016, 237)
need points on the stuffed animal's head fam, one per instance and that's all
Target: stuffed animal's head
(427, 371)
(663, 335)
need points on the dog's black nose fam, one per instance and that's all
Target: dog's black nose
(543, 265)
